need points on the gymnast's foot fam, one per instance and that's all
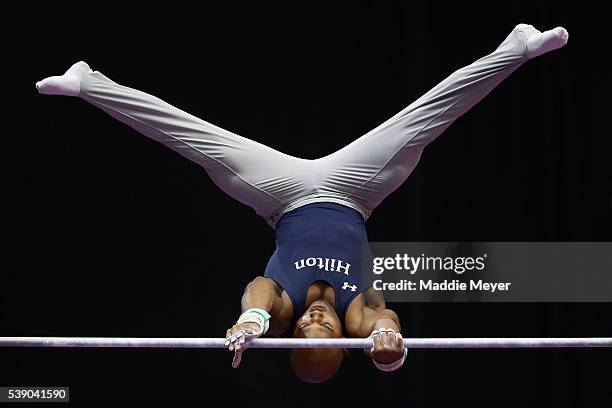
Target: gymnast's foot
(68, 84)
(538, 43)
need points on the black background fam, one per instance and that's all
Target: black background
(108, 233)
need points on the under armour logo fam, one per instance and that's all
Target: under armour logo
(346, 285)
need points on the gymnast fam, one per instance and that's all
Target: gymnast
(312, 285)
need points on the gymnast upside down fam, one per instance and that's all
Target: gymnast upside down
(312, 285)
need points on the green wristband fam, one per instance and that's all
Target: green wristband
(263, 313)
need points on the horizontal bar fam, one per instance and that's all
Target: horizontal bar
(302, 343)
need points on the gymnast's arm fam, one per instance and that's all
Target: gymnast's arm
(374, 315)
(265, 293)
(262, 307)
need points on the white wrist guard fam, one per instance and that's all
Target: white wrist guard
(256, 315)
(390, 366)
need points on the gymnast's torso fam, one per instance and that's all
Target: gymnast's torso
(320, 242)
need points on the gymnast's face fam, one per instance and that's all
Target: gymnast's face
(319, 320)
(317, 365)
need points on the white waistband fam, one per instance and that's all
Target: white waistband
(318, 198)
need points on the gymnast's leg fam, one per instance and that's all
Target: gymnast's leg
(377, 163)
(250, 172)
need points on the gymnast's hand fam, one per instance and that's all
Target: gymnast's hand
(387, 346)
(238, 337)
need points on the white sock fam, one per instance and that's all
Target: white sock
(68, 84)
(539, 43)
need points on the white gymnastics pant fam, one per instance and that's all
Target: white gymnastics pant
(359, 175)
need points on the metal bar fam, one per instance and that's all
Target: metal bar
(139, 342)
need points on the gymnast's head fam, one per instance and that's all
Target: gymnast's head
(317, 365)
